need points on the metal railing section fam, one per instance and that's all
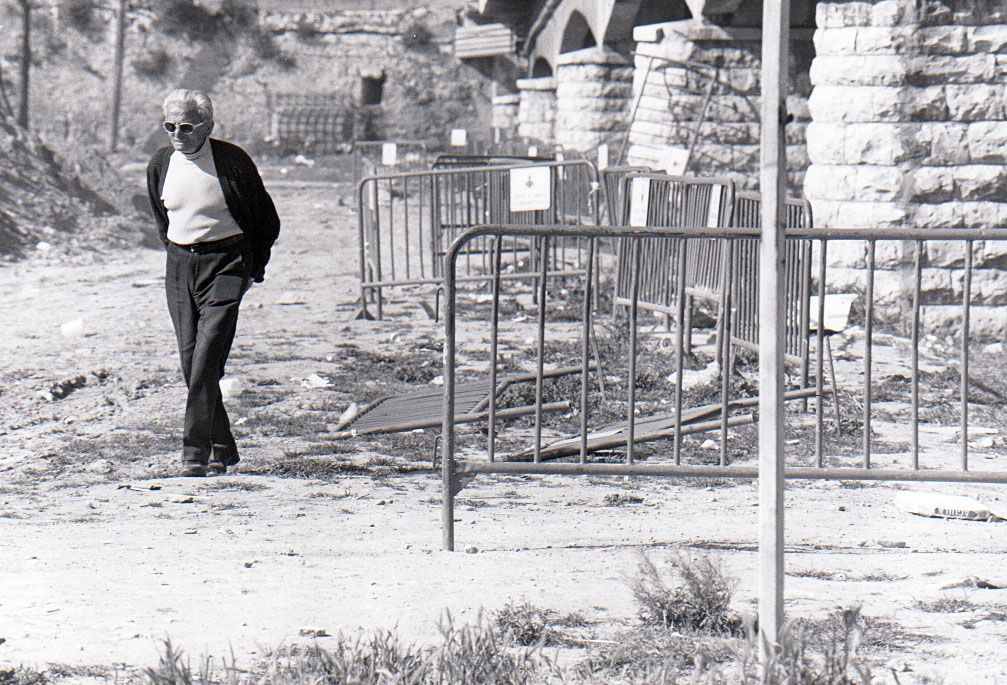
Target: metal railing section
(407, 220)
(662, 200)
(367, 157)
(455, 473)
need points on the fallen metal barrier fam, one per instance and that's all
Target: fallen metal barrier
(455, 474)
(407, 220)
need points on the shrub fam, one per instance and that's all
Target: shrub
(79, 15)
(524, 624)
(22, 676)
(155, 65)
(698, 602)
(186, 18)
(418, 36)
(797, 661)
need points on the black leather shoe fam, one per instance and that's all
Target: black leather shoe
(193, 469)
(216, 468)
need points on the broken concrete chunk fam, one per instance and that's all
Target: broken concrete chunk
(942, 506)
(72, 329)
(231, 387)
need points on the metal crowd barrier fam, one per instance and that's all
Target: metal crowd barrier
(407, 220)
(367, 157)
(655, 199)
(455, 474)
(445, 161)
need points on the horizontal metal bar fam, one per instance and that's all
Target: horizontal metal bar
(567, 230)
(469, 279)
(454, 171)
(752, 472)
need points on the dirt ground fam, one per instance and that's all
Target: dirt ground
(105, 554)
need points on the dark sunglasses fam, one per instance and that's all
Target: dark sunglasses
(184, 128)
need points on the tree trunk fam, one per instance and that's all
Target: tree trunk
(22, 111)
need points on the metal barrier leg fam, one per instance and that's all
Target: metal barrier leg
(835, 388)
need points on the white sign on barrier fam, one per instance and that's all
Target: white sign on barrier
(389, 154)
(459, 137)
(602, 156)
(675, 159)
(639, 201)
(532, 151)
(713, 212)
(530, 189)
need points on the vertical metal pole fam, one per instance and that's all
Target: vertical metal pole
(448, 429)
(590, 294)
(820, 361)
(772, 299)
(966, 306)
(120, 48)
(915, 420)
(727, 284)
(680, 324)
(634, 308)
(540, 360)
(494, 349)
(868, 350)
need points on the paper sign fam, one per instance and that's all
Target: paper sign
(837, 311)
(530, 189)
(459, 137)
(602, 156)
(389, 153)
(639, 201)
(675, 159)
(532, 151)
(713, 213)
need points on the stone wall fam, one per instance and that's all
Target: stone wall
(593, 94)
(537, 109)
(909, 128)
(505, 116)
(677, 65)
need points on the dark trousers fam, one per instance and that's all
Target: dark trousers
(204, 285)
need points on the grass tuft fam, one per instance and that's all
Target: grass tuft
(698, 601)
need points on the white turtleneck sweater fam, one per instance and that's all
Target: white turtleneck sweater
(197, 211)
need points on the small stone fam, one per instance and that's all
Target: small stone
(709, 444)
(472, 550)
(183, 500)
(994, 348)
(842, 508)
(894, 544)
(313, 632)
(100, 466)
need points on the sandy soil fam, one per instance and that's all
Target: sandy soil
(105, 554)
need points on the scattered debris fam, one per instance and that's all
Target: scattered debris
(942, 506)
(72, 329)
(100, 466)
(994, 348)
(316, 381)
(472, 550)
(63, 388)
(974, 582)
(618, 499)
(231, 387)
(710, 445)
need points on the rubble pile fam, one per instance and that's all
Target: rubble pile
(45, 206)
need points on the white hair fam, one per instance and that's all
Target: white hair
(195, 99)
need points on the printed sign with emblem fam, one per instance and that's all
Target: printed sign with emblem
(530, 189)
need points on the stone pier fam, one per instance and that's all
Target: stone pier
(537, 109)
(594, 89)
(697, 86)
(909, 128)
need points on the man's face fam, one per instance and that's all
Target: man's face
(183, 114)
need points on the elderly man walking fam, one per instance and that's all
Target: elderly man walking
(218, 225)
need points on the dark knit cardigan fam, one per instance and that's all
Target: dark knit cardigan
(244, 193)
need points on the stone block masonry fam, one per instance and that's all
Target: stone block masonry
(537, 109)
(697, 86)
(909, 128)
(593, 92)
